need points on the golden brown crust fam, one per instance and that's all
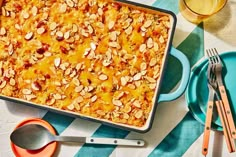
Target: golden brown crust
(93, 57)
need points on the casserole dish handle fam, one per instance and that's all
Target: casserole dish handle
(184, 80)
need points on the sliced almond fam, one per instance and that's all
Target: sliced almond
(17, 26)
(53, 26)
(138, 114)
(106, 63)
(100, 12)
(3, 31)
(113, 36)
(111, 24)
(62, 8)
(79, 88)
(93, 46)
(127, 109)
(142, 48)
(68, 71)
(152, 85)
(143, 66)
(12, 82)
(26, 91)
(41, 30)
(94, 98)
(161, 39)
(25, 15)
(137, 76)
(101, 112)
(126, 116)
(57, 62)
(123, 80)
(51, 102)
(30, 97)
(150, 43)
(137, 103)
(59, 34)
(70, 3)
(117, 102)
(35, 87)
(129, 30)
(74, 28)
(150, 79)
(79, 99)
(103, 77)
(147, 23)
(34, 10)
(70, 107)
(57, 83)
(156, 46)
(76, 81)
(29, 36)
(3, 84)
(57, 96)
(153, 62)
(90, 29)
(67, 35)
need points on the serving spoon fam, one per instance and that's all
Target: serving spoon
(34, 137)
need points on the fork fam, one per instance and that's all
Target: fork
(212, 85)
(216, 62)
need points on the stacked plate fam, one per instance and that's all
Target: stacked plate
(197, 91)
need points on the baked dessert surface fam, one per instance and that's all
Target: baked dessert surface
(96, 58)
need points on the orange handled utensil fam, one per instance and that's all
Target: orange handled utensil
(215, 60)
(207, 128)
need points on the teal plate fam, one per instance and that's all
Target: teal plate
(197, 91)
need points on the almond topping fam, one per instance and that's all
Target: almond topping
(59, 34)
(143, 66)
(57, 96)
(137, 76)
(62, 8)
(152, 86)
(26, 91)
(3, 84)
(53, 26)
(150, 79)
(29, 36)
(76, 81)
(12, 82)
(74, 28)
(161, 39)
(57, 62)
(137, 103)
(67, 35)
(30, 97)
(41, 30)
(3, 31)
(70, 3)
(51, 102)
(138, 114)
(142, 48)
(93, 46)
(34, 10)
(35, 87)
(123, 80)
(117, 102)
(94, 98)
(103, 77)
(129, 30)
(25, 15)
(111, 24)
(79, 99)
(71, 106)
(147, 23)
(153, 62)
(156, 46)
(79, 88)
(149, 43)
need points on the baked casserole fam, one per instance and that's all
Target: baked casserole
(96, 58)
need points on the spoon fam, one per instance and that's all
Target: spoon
(34, 137)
